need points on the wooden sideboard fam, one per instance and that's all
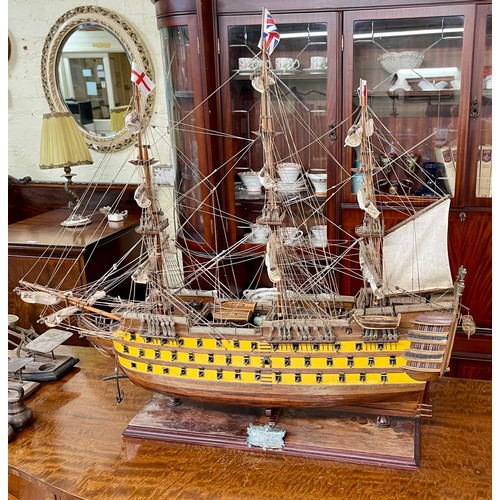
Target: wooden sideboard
(94, 249)
(75, 449)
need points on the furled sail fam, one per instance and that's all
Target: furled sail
(44, 298)
(271, 262)
(368, 268)
(415, 252)
(58, 317)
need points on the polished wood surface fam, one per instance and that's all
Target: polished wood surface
(75, 449)
(45, 229)
(77, 256)
(28, 198)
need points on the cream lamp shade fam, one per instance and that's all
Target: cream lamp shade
(62, 146)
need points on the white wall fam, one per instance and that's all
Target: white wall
(29, 23)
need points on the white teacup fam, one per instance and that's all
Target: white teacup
(319, 62)
(319, 233)
(286, 63)
(259, 232)
(319, 182)
(288, 172)
(251, 181)
(248, 63)
(291, 235)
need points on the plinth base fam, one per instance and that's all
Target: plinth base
(313, 433)
(45, 369)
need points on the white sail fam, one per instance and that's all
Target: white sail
(415, 253)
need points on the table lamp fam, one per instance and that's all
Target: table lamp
(62, 146)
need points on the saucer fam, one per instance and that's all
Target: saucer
(244, 72)
(291, 187)
(286, 71)
(316, 243)
(315, 71)
(258, 240)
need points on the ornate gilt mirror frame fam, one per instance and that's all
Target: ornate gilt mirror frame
(134, 49)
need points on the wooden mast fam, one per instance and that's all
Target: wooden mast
(372, 229)
(153, 225)
(272, 215)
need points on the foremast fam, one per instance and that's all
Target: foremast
(152, 224)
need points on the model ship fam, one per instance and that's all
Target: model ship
(299, 343)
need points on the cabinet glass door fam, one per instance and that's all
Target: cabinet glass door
(481, 111)
(300, 66)
(413, 66)
(183, 88)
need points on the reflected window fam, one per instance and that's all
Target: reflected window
(94, 79)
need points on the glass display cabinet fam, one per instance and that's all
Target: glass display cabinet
(414, 68)
(429, 80)
(436, 98)
(190, 111)
(303, 67)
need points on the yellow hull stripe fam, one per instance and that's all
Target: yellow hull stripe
(277, 360)
(259, 345)
(228, 375)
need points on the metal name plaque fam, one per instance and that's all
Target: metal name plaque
(265, 436)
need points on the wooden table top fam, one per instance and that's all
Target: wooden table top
(45, 229)
(75, 446)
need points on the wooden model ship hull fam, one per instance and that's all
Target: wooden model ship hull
(251, 368)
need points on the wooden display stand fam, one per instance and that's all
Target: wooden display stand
(311, 433)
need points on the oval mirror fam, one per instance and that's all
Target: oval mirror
(85, 68)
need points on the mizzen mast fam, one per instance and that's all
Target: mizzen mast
(371, 230)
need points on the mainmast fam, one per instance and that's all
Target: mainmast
(272, 215)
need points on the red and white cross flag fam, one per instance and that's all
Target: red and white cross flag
(141, 79)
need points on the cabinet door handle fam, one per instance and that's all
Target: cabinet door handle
(462, 216)
(333, 132)
(474, 109)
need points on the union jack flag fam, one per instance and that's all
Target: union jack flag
(270, 33)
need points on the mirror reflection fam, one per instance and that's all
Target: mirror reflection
(93, 77)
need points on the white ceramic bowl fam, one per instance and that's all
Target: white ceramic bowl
(392, 62)
(425, 85)
(251, 181)
(319, 182)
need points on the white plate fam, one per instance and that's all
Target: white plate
(314, 71)
(429, 73)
